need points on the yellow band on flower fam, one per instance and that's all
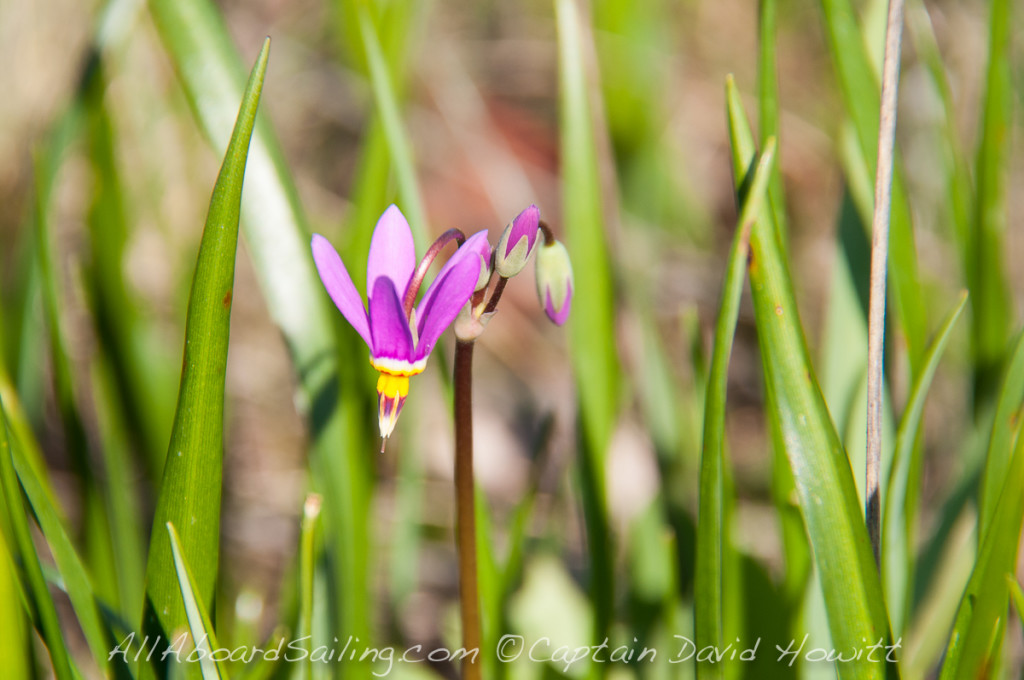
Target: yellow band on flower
(392, 386)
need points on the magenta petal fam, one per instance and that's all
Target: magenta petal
(559, 316)
(339, 286)
(392, 251)
(389, 326)
(450, 291)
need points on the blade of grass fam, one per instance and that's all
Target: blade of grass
(1004, 428)
(768, 112)
(190, 491)
(198, 620)
(119, 491)
(35, 483)
(399, 146)
(591, 327)
(712, 536)
(45, 613)
(983, 605)
(861, 97)
(823, 481)
(1016, 595)
(14, 622)
(903, 487)
(144, 380)
(307, 573)
(275, 229)
(988, 280)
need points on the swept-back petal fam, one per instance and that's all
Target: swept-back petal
(450, 291)
(339, 286)
(392, 251)
(392, 337)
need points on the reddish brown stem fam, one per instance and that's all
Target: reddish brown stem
(465, 510)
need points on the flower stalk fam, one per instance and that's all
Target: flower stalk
(465, 511)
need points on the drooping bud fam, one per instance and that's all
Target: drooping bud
(517, 243)
(554, 280)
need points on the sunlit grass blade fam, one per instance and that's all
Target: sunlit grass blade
(14, 619)
(307, 572)
(860, 89)
(712, 536)
(983, 607)
(768, 110)
(399, 146)
(987, 276)
(278, 244)
(823, 482)
(189, 494)
(198, 619)
(1004, 428)
(901, 509)
(591, 327)
(45, 613)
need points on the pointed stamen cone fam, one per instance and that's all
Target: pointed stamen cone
(391, 391)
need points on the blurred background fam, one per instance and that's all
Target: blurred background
(478, 88)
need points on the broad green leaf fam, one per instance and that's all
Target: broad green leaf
(198, 620)
(189, 494)
(712, 536)
(899, 528)
(44, 610)
(591, 323)
(823, 482)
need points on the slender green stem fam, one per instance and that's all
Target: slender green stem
(465, 514)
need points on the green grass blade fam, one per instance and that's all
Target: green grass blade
(983, 607)
(145, 375)
(860, 89)
(903, 488)
(190, 490)
(14, 621)
(591, 324)
(712, 537)
(988, 280)
(1016, 595)
(34, 481)
(768, 113)
(823, 482)
(399, 146)
(45, 612)
(1004, 429)
(198, 620)
(307, 572)
(120, 492)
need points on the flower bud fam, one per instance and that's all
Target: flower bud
(517, 243)
(554, 281)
